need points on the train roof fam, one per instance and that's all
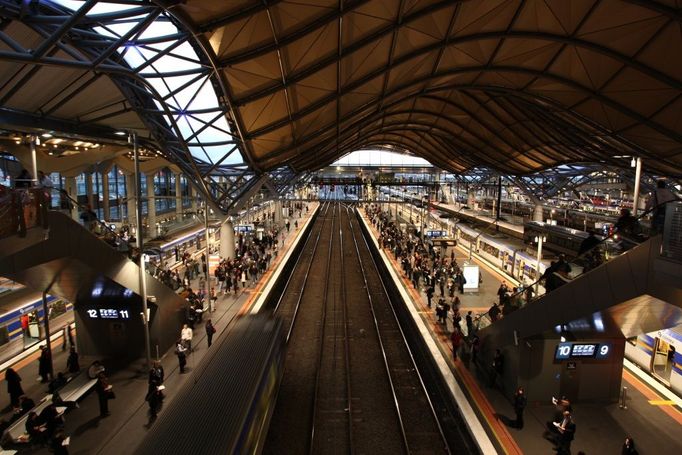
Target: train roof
(554, 228)
(209, 412)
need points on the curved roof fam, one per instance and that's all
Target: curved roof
(512, 85)
(516, 85)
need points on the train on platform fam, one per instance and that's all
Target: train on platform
(33, 314)
(659, 354)
(227, 406)
(501, 251)
(171, 251)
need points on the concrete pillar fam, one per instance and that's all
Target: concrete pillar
(278, 212)
(105, 196)
(72, 189)
(130, 191)
(151, 206)
(227, 240)
(471, 199)
(537, 213)
(178, 197)
(88, 191)
(193, 195)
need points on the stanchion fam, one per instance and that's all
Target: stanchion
(623, 398)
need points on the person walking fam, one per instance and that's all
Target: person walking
(44, 364)
(520, 402)
(181, 352)
(72, 364)
(13, 386)
(104, 394)
(210, 330)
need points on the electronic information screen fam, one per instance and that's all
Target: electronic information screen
(107, 313)
(575, 350)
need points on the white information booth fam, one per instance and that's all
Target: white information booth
(472, 277)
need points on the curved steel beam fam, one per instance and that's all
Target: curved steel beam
(504, 69)
(453, 41)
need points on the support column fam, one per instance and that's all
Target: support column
(537, 213)
(278, 212)
(638, 177)
(151, 206)
(105, 196)
(227, 240)
(178, 197)
(193, 195)
(130, 203)
(471, 199)
(72, 189)
(88, 190)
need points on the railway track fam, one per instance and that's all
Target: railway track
(351, 384)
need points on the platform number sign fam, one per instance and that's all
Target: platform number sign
(565, 351)
(107, 313)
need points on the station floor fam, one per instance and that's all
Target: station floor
(122, 431)
(653, 421)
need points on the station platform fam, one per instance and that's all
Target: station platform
(123, 430)
(653, 417)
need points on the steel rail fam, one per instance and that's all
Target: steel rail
(305, 278)
(407, 346)
(311, 439)
(387, 368)
(346, 339)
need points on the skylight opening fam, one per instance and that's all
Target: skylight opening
(381, 158)
(172, 75)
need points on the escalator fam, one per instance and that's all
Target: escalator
(68, 261)
(637, 292)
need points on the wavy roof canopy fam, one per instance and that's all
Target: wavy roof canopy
(515, 85)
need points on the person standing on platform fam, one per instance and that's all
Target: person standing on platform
(520, 402)
(72, 364)
(629, 447)
(181, 352)
(498, 367)
(502, 290)
(186, 336)
(24, 325)
(494, 312)
(104, 394)
(210, 330)
(470, 323)
(566, 434)
(429, 295)
(154, 399)
(13, 386)
(456, 339)
(156, 374)
(44, 364)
